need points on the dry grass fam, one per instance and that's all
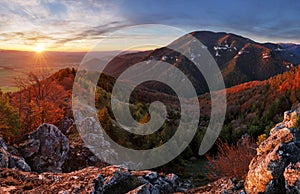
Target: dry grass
(231, 160)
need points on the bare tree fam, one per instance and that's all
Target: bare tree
(40, 99)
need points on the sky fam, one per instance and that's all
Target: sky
(69, 25)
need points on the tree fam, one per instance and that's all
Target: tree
(39, 100)
(9, 120)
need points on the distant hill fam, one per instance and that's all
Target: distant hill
(240, 59)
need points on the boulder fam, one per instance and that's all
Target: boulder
(275, 168)
(135, 181)
(8, 160)
(45, 149)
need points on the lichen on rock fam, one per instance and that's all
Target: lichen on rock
(275, 168)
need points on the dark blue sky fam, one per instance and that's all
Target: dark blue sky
(62, 24)
(265, 19)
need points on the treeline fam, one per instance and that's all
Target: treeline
(41, 98)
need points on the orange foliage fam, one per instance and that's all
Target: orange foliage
(231, 160)
(40, 100)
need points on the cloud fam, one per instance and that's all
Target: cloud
(61, 23)
(57, 22)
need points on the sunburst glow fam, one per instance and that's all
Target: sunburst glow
(39, 49)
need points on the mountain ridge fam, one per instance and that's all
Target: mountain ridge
(240, 59)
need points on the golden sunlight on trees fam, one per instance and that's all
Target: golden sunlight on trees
(40, 100)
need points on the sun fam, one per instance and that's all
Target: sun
(39, 49)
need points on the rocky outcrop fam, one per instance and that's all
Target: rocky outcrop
(289, 120)
(122, 180)
(8, 160)
(292, 178)
(45, 149)
(95, 140)
(275, 168)
(79, 156)
(111, 179)
(221, 186)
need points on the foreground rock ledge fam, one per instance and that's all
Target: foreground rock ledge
(111, 179)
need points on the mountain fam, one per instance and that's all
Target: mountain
(293, 48)
(289, 52)
(240, 59)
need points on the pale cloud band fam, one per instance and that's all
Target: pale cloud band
(74, 25)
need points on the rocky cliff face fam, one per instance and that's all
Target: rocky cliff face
(275, 168)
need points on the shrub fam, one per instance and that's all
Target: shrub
(231, 160)
(261, 138)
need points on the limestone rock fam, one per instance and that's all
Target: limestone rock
(275, 168)
(95, 140)
(289, 120)
(8, 160)
(111, 179)
(145, 189)
(292, 178)
(45, 149)
(221, 186)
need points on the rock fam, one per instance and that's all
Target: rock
(145, 189)
(275, 167)
(110, 179)
(4, 155)
(79, 156)
(119, 182)
(18, 163)
(95, 140)
(65, 124)
(292, 178)
(151, 176)
(8, 160)
(221, 186)
(289, 120)
(173, 179)
(45, 149)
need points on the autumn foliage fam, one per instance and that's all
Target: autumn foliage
(40, 100)
(231, 160)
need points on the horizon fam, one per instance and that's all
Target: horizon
(44, 50)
